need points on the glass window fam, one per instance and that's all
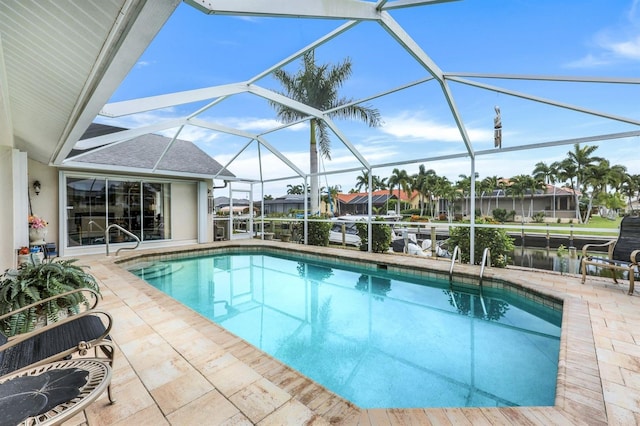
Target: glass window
(124, 209)
(157, 215)
(142, 208)
(86, 211)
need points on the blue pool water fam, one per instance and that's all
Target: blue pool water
(373, 337)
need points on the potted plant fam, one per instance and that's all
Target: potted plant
(38, 228)
(34, 282)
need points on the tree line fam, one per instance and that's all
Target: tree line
(592, 179)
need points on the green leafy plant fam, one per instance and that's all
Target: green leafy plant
(34, 282)
(499, 243)
(380, 236)
(538, 217)
(318, 233)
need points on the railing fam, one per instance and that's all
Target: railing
(120, 228)
(456, 251)
(486, 261)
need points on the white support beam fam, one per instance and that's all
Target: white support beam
(134, 106)
(527, 147)
(109, 168)
(399, 4)
(126, 135)
(346, 143)
(318, 42)
(283, 100)
(413, 48)
(325, 9)
(558, 78)
(416, 51)
(545, 101)
(282, 157)
(456, 116)
(167, 148)
(220, 128)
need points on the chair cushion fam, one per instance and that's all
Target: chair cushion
(629, 239)
(51, 342)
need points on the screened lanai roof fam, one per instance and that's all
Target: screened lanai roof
(102, 50)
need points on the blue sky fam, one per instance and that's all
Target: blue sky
(598, 38)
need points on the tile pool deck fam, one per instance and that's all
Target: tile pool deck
(175, 367)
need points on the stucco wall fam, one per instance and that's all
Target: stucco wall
(45, 204)
(184, 211)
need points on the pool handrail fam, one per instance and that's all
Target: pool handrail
(486, 261)
(456, 250)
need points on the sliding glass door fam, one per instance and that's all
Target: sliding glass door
(143, 208)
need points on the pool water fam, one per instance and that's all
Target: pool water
(376, 339)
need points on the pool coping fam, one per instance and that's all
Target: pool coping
(577, 366)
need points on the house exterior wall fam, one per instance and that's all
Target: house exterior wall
(564, 205)
(184, 211)
(45, 205)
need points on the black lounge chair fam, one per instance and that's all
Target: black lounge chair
(56, 341)
(624, 252)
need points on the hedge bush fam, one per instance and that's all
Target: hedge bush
(380, 235)
(318, 232)
(500, 244)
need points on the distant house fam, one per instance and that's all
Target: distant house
(358, 202)
(285, 204)
(553, 201)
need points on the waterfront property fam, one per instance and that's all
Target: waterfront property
(61, 64)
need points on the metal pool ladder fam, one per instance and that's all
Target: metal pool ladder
(456, 251)
(486, 261)
(106, 236)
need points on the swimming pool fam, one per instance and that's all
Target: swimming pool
(375, 338)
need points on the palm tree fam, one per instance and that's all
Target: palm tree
(331, 196)
(317, 86)
(401, 180)
(464, 184)
(295, 189)
(445, 190)
(490, 184)
(630, 188)
(520, 186)
(363, 181)
(596, 177)
(581, 158)
(424, 182)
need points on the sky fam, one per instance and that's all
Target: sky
(589, 38)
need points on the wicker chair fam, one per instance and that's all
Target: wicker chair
(624, 252)
(78, 333)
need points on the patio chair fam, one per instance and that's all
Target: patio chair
(624, 252)
(76, 334)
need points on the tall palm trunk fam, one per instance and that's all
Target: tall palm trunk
(313, 168)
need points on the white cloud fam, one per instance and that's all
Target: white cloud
(614, 44)
(414, 125)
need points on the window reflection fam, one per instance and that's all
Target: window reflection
(142, 208)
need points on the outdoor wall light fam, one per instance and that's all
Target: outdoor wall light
(36, 187)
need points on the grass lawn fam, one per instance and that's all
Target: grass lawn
(595, 222)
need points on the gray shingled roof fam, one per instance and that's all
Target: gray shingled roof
(143, 151)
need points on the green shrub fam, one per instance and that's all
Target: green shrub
(500, 215)
(538, 217)
(500, 244)
(318, 233)
(410, 212)
(34, 282)
(380, 236)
